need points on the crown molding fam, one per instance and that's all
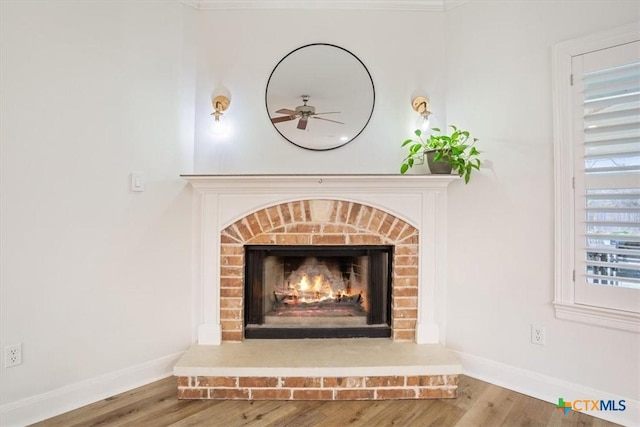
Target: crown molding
(423, 5)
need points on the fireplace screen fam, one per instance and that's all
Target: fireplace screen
(317, 291)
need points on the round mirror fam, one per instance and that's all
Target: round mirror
(320, 96)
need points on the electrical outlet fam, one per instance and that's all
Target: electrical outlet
(537, 335)
(12, 355)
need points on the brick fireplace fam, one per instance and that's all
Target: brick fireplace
(407, 213)
(320, 222)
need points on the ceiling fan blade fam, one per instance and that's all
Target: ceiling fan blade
(302, 124)
(328, 112)
(327, 120)
(282, 119)
(287, 111)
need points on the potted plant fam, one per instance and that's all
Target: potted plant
(444, 153)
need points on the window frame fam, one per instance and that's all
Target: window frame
(564, 303)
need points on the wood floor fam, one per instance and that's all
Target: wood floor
(478, 404)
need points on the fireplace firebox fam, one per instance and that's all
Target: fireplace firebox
(317, 291)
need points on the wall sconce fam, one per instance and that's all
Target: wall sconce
(420, 105)
(219, 125)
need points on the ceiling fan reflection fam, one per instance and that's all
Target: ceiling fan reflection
(303, 113)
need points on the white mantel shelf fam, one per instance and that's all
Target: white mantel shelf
(266, 182)
(420, 200)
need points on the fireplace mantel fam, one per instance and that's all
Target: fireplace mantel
(420, 200)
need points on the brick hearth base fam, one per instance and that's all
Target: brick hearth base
(322, 369)
(319, 388)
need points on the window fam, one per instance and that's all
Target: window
(597, 162)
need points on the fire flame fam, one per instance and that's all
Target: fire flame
(314, 289)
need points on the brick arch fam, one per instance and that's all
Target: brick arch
(320, 222)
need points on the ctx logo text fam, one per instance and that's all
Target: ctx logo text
(591, 405)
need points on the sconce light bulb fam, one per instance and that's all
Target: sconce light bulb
(422, 122)
(219, 125)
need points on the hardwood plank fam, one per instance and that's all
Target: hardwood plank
(491, 407)
(86, 414)
(478, 404)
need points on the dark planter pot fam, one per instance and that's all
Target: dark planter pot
(439, 167)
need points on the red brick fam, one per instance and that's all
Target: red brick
(274, 216)
(406, 260)
(253, 224)
(243, 229)
(271, 393)
(343, 394)
(401, 249)
(451, 380)
(230, 314)
(231, 271)
(267, 239)
(303, 228)
(231, 293)
(384, 381)
(232, 233)
(229, 393)
(398, 227)
(263, 220)
(404, 335)
(293, 239)
(329, 239)
(425, 380)
(401, 303)
(297, 212)
(193, 393)
(365, 217)
(450, 392)
(339, 229)
(405, 313)
(376, 220)
(229, 303)
(405, 291)
(306, 207)
(231, 282)
(231, 336)
(229, 249)
(299, 382)
(215, 382)
(364, 239)
(232, 260)
(311, 394)
(343, 382)
(386, 225)
(252, 382)
(231, 325)
(430, 393)
(341, 210)
(405, 271)
(411, 281)
(396, 393)
(404, 324)
(183, 381)
(412, 239)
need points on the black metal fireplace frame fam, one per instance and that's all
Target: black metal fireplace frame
(378, 318)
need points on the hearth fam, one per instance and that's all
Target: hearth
(318, 291)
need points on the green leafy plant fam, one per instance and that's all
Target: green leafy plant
(457, 149)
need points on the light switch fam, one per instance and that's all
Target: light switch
(137, 181)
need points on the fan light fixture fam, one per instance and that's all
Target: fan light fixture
(219, 125)
(420, 105)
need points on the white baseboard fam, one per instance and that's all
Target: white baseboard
(547, 388)
(73, 396)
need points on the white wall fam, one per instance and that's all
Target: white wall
(403, 50)
(95, 279)
(501, 253)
